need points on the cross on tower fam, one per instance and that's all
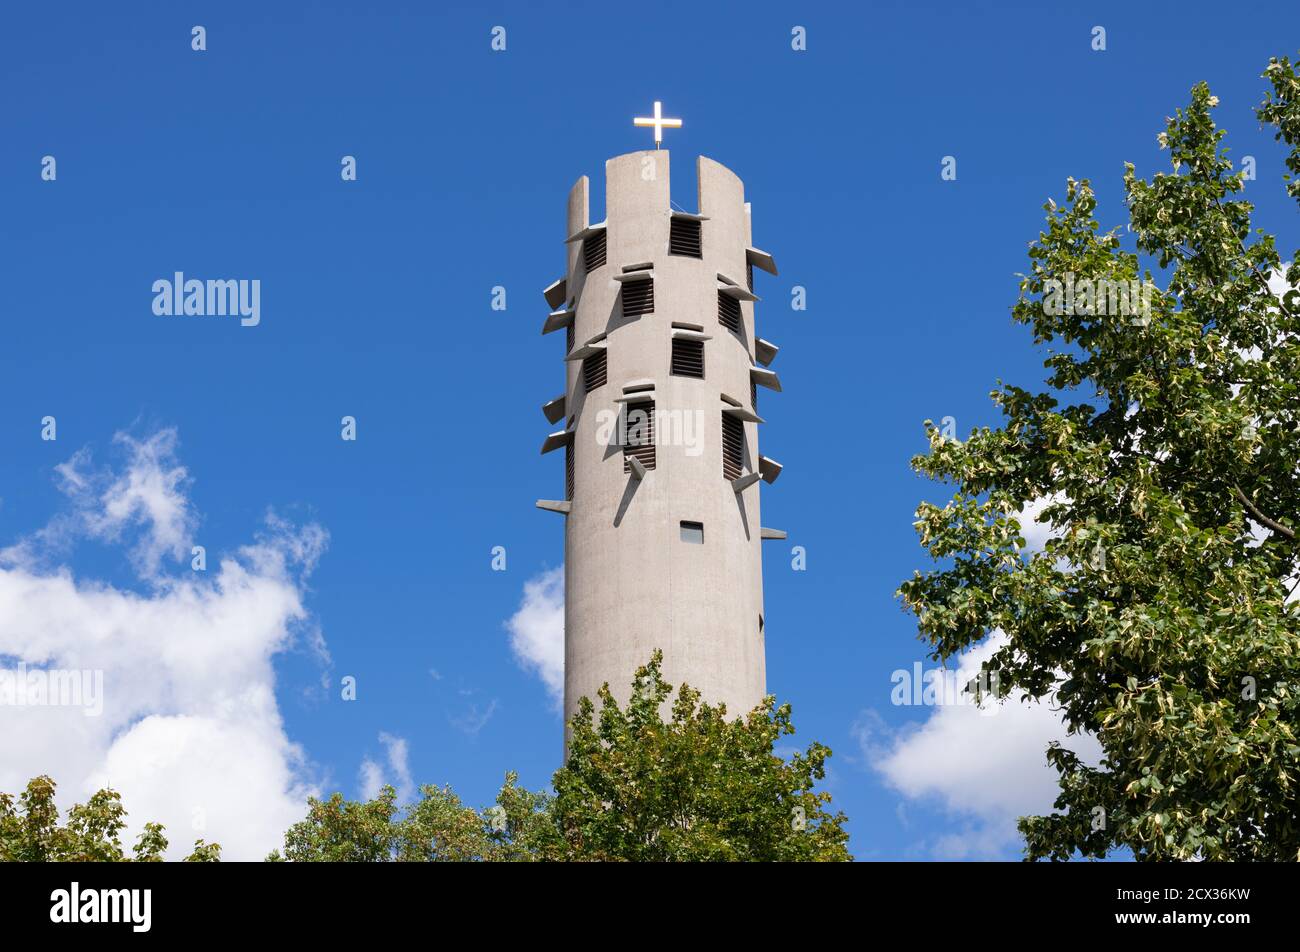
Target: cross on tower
(658, 122)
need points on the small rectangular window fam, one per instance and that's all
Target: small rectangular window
(729, 312)
(595, 371)
(638, 297)
(684, 237)
(733, 446)
(593, 251)
(688, 358)
(639, 434)
(693, 532)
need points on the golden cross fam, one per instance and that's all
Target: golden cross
(658, 122)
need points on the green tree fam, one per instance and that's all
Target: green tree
(633, 787)
(30, 831)
(694, 786)
(1158, 612)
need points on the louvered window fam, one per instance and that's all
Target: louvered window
(594, 371)
(568, 337)
(639, 434)
(638, 297)
(568, 470)
(749, 276)
(733, 446)
(688, 358)
(593, 251)
(753, 394)
(684, 237)
(729, 312)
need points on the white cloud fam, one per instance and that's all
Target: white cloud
(398, 773)
(149, 495)
(537, 630)
(985, 769)
(1036, 532)
(190, 734)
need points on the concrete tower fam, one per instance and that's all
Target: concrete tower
(662, 372)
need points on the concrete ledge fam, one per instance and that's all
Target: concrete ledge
(557, 293)
(554, 409)
(761, 259)
(765, 351)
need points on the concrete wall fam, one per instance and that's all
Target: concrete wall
(631, 584)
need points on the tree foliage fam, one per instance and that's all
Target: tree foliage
(694, 786)
(30, 830)
(1165, 456)
(634, 786)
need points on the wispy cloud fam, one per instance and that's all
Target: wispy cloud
(474, 718)
(397, 771)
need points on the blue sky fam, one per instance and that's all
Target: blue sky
(375, 303)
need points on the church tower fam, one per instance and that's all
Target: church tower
(660, 423)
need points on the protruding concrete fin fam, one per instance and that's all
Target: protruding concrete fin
(556, 440)
(765, 351)
(557, 319)
(638, 468)
(554, 409)
(589, 349)
(765, 378)
(555, 505)
(767, 533)
(738, 291)
(761, 259)
(769, 469)
(585, 233)
(744, 482)
(557, 292)
(749, 416)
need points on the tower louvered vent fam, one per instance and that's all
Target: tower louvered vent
(684, 238)
(733, 446)
(569, 338)
(568, 471)
(729, 312)
(749, 277)
(638, 297)
(639, 430)
(688, 358)
(593, 251)
(595, 371)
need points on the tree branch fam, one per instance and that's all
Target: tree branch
(1261, 518)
